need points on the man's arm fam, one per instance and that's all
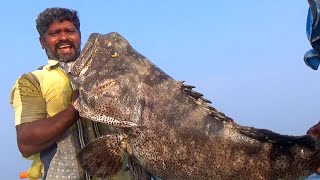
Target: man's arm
(33, 137)
(35, 131)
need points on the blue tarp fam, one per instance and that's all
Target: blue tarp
(312, 57)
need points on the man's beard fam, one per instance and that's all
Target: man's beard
(69, 57)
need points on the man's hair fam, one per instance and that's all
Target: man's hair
(50, 15)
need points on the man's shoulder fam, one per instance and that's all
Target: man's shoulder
(30, 77)
(31, 74)
(34, 79)
(26, 84)
(28, 80)
(40, 67)
(40, 71)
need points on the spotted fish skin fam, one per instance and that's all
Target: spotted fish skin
(169, 130)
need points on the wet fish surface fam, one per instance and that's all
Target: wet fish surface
(169, 130)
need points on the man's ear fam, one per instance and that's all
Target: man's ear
(42, 42)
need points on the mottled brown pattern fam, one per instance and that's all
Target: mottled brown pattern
(168, 129)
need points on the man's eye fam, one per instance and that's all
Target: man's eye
(71, 32)
(53, 33)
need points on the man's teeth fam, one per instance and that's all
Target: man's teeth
(64, 46)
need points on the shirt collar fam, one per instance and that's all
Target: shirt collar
(52, 64)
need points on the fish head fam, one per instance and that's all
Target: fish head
(109, 85)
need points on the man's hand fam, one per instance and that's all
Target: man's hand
(75, 96)
(74, 99)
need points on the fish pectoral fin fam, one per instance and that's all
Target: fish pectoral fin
(265, 135)
(102, 157)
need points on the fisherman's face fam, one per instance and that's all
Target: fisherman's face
(61, 41)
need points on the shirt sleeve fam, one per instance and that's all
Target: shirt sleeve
(26, 100)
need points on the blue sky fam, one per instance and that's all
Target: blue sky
(245, 56)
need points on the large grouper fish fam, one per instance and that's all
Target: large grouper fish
(169, 130)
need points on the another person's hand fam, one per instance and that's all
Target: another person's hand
(314, 131)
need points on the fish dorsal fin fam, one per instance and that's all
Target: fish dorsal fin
(199, 98)
(265, 135)
(188, 89)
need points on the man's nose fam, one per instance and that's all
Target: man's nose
(63, 36)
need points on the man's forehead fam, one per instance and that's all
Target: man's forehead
(64, 24)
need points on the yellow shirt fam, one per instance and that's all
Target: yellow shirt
(40, 94)
(44, 93)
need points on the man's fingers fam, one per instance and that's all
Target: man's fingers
(75, 95)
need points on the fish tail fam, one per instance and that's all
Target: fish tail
(102, 157)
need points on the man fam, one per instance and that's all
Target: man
(47, 125)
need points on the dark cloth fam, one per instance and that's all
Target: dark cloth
(46, 157)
